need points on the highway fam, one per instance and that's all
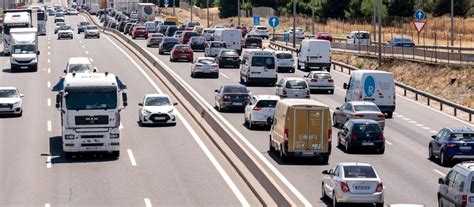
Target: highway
(162, 166)
(408, 175)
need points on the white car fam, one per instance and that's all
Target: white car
(353, 183)
(79, 65)
(299, 33)
(260, 110)
(59, 19)
(208, 33)
(285, 61)
(58, 25)
(260, 31)
(65, 32)
(213, 48)
(292, 87)
(72, 12)
(205, 66)
(10, 101)
(320, 81)
(178, 34)
(154, 39)
(157, 109)
(91, 31)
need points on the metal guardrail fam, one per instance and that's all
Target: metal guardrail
(405, 88)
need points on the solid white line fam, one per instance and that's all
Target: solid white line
(47, 205)
(224, 75)
(48, 84)
(433, 131)
(87, 52)
(132, 158)
(413, 122)
(406, 119)
(220, 169)
(439, 172)
(48, 161)
(280, 176)
(400, 116)
(91, 60)
(121, 126)
(147, 202)
(389, 143)
(49, 125)
(49, 102)
(420, 125)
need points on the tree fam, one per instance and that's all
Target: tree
(335, 9)
(354, 9)
(461, 7)
(402, 8)
(367, 8)
(227, 8)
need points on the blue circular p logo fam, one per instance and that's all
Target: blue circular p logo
(369, 86)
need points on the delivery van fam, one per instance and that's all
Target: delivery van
(301, 128)
(170, 19)
(258, 66)
(231, 37)
(314, 54)
(375, 86)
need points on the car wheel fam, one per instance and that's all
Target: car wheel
(339, 144)
(442, 159)
(270, 145)
(379, 205)
(334, 200)
(440, 202)
(381, 150)
(298, 66)
(323, 192)
(430, 153)
(347, 147)
(334, 122)
(192, 75)
(250, 123)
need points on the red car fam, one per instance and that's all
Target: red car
(243, 30)
(187, 35)
(181, 52)
(323, 36)
(139, 31)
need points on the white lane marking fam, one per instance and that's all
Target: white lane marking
(439, 172)
(406, 119)
(121, 126)
(49, 70)
(224, 75)
(48, 161)
(395, 113)
(132, 158)
(48, 124)
(49, 47)
(197, 139)
(400, 116)
(48, 84)
(91, 59)
(49, 53)
(420, 125)
(80, 41)
(49, 42)
(147, 202)
(49, 61)
(389, 143)
(49, 102)
(47, 205)
(83, 46)
(426, 128)
(87, 52)
(433, 131)
(413, 122)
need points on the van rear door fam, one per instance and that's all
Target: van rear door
(378, 88)
(308, 130)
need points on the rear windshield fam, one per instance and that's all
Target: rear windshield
(253, 41)
(284, 56)
(209, 31)
(467, 137)
(362, 35)
(206, 61)
(296, 84)
(359, 172)
(217, 44)
(267, 103)
(262, 28)
(321, 76)
(235, 89)
(190, 34)
(366, 128)
(267, 62)
(230, 53)
(366, 108)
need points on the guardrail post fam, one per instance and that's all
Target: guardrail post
(349, 71)
(404, 92)
(416, 96)
(455, 112)
(428, 101)
(470, 117)
(441, 106)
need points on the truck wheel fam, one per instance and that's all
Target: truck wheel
(116, 154)
(389, 114)
(270, 146)
(241, 79)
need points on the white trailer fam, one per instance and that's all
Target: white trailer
(24, 49)
(14, 18)
(146, 12)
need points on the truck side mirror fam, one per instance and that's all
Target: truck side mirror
(433, 136)
(38, 52)
(348, 37)
(325, 172)
(124, 99)
(345, 86)
(337, 108)
(64, 71)
(58, 100)
(140, 104)
(441, 181)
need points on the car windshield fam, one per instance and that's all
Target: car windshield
(210, 31)
(84, 23)
(59, 24)
(284, 56)
(366, 128)
(170, 40)
(157, 101)
(150, 25)
(217, 44)
(91, 100)
(404, 40)
(321, 76)
(157, 35)
(267, 62)
(77, 68)
(23, 49)
(235, 89)
(253, 41)
(197, 39)
(362, 35)
(229, 53)
(466, 137)
(359, 172)
(193, 24)
(191, 34)
(366, 107)
(206, 61)
(8, 93)
(65, 27)
(296, 84)
(92, 27)
(267, 103)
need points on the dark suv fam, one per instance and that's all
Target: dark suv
(361, 133)
(452, 144)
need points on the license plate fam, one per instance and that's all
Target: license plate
(359, 187)
(471, 199)
(367, 144)
(465, 147)
(237, 104)
(4, 109)
(159, 118)
(91, 148)
(183, 56)
(308, 153)
(24, 67)
(229, 59)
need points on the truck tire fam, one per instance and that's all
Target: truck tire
(116, 154)
(324, 159)
(271, 148)
(389, 114)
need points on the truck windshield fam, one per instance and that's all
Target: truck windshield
(78, 68)
(23, 49)
(91, 100)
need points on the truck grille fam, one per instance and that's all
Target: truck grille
(23, 61)
(92, 120)
(92, 144)
(91, 136)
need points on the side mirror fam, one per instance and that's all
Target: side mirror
(58, 100)
(95, 70)
(441, 181)
(21, 95)
(38, 52)
(298, 50)
(338, 108)
(217, 91)
(325, 172)
(125, 99)
(348, 37)
(433, 136)
(175, 104)
(140, 104)
(64, 71)
(345, 86)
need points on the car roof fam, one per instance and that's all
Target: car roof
(354, 163)
(266, 97)
(362, 103)
(461, 130)
(156, 95)
(362, 121)
(233, 85)
(293, 78)
(8, 88)
(79, 60)
(205, 58)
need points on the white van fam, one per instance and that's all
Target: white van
(455, 189)
(358, 37)
(258, 66)
(374, 86)
(231, 37)
(314, 53)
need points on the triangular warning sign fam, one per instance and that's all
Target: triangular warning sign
(419, 25)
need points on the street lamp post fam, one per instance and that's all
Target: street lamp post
(380, 33)
(174, 8)
(207, 3)
(238, 12)
(374, 20)
(191, 5)
(294, 23)
(452, 23)
(312, 15)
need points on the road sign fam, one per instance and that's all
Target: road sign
(273, 21)
(419, 25)
(256, 20)
(167, 2)
(419, 15)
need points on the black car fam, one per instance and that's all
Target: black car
(252, 42)
(126, 29)
(197, 43)
(228, 57)
(361, 133)
(82, 26)
(167, 45)
(170, 31)
(163, 29)
(121, 26)
(232, 96)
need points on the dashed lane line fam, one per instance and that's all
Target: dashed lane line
(48, 84)
(87, 52)
(49, 70)
(224, 75)
(389, 143)
(48, 102)
(48, 162)
(47, 205)
(132, 158)
(439, 172)
(92, 60)
(48, 125)
(147, 202)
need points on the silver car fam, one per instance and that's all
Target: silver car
(353, 183)
(320, 81)
(291, 87)
(91, 31)
(358, 110)
(205, 66)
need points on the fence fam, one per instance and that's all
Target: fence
(405, 88)
(201, 13)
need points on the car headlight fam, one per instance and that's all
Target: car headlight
(170, 111)
(17, 104)
(146, 111)
(114, 136)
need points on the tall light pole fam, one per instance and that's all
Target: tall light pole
(174, 8)
(374, 20)
(238, 12)
(452, 23)
(207, 3)
(380, 32)
(294, 23)
(191, 4)
(312, 15)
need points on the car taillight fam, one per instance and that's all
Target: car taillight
(381, 136)
(353, 136)
(358, 115)
(198, 65)
(330, 135)
(380, 116)
(226, 97)
(284, 92)
(286, 136)
(214, 66)
(257, 108)
(314, 80)
(344, 187)
(450, 145)
(379, 187)
(331, 80)
(463, 200)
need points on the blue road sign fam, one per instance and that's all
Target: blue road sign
(273, 21)
(167, 2)
(420, 15)
(256, 20)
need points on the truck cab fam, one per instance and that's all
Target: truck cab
(24, 49)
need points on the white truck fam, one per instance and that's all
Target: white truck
(90, 108)
(94, 9)
(231, 37)
(14, 18)
(24, 49)
(146, 12)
